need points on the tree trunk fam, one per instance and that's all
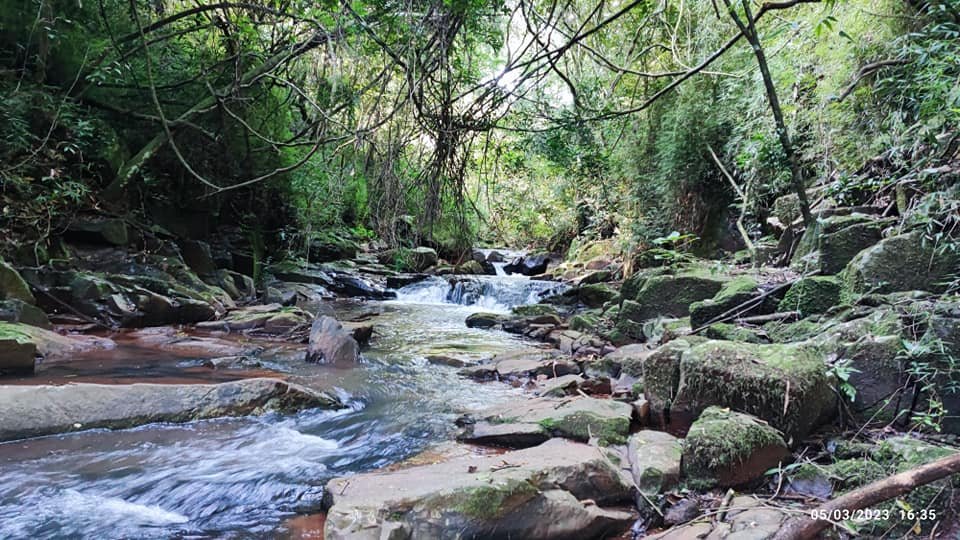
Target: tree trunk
(749, 31)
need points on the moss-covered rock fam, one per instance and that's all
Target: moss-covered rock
(834, 240)
(725, 448)
(906, 262)
(734, 292)
(577, 418)
(661, 377)
(409, 260)
(586, 321)
(13, 286)
(535, 310)
(732, 332)
(330, 246)
(785, 385)
(18, 311)
(18, 352)
(671, 295)
(812, 295)
(596, 295)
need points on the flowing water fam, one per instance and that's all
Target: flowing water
(246, 477)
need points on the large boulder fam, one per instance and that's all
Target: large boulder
(812, 295)
(726, 448)
(18, 352)
(671, 295)
(13, 286)
(331, 247)
(97, 230)
(834, 240)
(528, 265)
(906, 262)
(732, 294)
(198, 257)
(18, 311)
(330, 343)
(554, 491)
(787, 386)
(596, 294)
(34, 411)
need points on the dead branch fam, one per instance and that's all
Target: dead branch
(802, 528)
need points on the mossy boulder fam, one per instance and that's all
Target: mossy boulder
(18, 351)
(535, 310)
(906, 262)
(812, 295)
(596, 295)
(99, 231)
(732, 294)
(661, 377)
(409, 260)
(787, 386)
(732, 332)
(671, 295)
(725, 448)
(330, 246)
(586, 321)
(13, 286)
(18, 311)
(834, 240)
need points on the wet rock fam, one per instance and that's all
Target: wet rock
(485, 320)
(812, 295)
(330, 343)
(543, 494)
(597, 276)
(13, 286)
(495, 257)
(402, 280)
(170, 340)
(524, 365)
(509, 435)
(446, 360)
(481, 373)
(535, 310)
(579, 418)
(344, 284)
(232, 362)
(528, 265)
(473, 267)
(33, 411)
(654, 461)
(725, 448)
(682, 511)
(628, 359)
(906, 262)
(734, 293)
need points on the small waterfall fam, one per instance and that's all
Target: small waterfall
(493, 293)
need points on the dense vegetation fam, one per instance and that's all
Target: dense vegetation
(449, 122)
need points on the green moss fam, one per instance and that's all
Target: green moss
(488, 502)
(731, 332)
(791, 332)
(12, 285)
(721, 440)
(583, 425)
(812, 295)
(586, 321)
(755, 378)
(535, 310)
(14, 332)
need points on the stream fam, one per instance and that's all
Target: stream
(251, 477)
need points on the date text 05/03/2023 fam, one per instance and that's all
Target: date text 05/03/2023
(872, 514)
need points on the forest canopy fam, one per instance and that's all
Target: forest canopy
(457, 122)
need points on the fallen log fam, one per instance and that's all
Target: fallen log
(803, 528)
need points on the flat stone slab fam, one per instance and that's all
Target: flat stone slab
(33, 411)
(537, 493)
(578, 418)
(514, 435)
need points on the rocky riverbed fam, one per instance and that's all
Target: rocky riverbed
(400, 397)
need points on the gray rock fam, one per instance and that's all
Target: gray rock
(13, 286)
(484, 320)
(578, 418)
(541, 495)
(906, 262)
(33, 411)
(511, 435)
(654, 461)
(330, 343)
